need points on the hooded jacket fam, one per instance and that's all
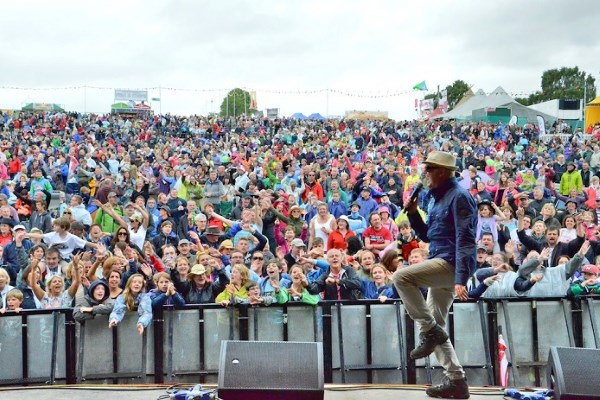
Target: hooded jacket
(102, 307)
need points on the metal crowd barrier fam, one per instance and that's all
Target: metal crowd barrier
(564, 137)
(363, 341)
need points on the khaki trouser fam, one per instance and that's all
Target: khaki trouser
(437, 275)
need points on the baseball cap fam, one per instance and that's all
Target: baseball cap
(298, 243)
(17, 227)
(184, 241)
(586, 269)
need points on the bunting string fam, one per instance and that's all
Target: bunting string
(373, 94)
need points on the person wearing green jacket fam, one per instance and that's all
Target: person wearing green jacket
(571, 179)
(104, 219)
(298, 290)
(587, 284)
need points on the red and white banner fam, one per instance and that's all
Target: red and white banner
(503, 360)
(426, 104)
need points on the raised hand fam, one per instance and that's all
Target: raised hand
(584, 248)
(146, 270)
(100, 250)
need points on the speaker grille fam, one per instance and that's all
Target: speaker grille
(579, 368)
(271, 365)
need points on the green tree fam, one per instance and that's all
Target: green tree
(568, 83)
(563, 83)
(456, 91)
(235, 103)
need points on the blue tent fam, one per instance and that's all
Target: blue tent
(299, 116)
(317, 116)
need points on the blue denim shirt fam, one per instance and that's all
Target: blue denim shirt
(450, 228)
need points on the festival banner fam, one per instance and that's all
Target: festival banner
(253, 103)
(541, 125)
(426, 104)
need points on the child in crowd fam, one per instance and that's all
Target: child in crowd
(407, 241)
(133, 298)
(254, 297)
(97, 301)
(62, 239)
(379, 286)
(165, 293)
(14, 300)
(587, 283)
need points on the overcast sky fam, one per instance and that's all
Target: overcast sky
(284, 48)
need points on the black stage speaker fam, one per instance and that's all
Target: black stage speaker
(573, 373)
(271, 370)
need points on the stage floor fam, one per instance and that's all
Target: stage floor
(124, 392)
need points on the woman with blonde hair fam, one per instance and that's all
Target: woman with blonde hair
(133, 298)
(547, 214)
(55, 295)
(321, 225)
(237, 287)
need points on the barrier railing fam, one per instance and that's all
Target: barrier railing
(363, 341)
(564, 137)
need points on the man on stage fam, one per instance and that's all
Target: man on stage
(450, 231)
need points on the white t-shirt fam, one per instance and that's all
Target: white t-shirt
(137, 238)
(64, 245)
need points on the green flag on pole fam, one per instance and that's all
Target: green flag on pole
(420, 86)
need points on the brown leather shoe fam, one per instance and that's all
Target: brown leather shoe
(450, 389)
(429, 340)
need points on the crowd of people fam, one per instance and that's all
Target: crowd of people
(109, 214)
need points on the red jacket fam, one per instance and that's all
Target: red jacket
(14, 166)
(316, 188)
(337, 241)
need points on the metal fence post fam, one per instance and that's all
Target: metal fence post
(577, 316)
(411, 366)
(244, 324)
(70, 348)
(158, 323)
(492, 323)
(327, 343)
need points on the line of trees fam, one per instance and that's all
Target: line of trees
(558, 83)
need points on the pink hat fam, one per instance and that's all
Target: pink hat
(589, 269)
(383, 209)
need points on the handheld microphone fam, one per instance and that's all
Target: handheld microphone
(415, 192)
